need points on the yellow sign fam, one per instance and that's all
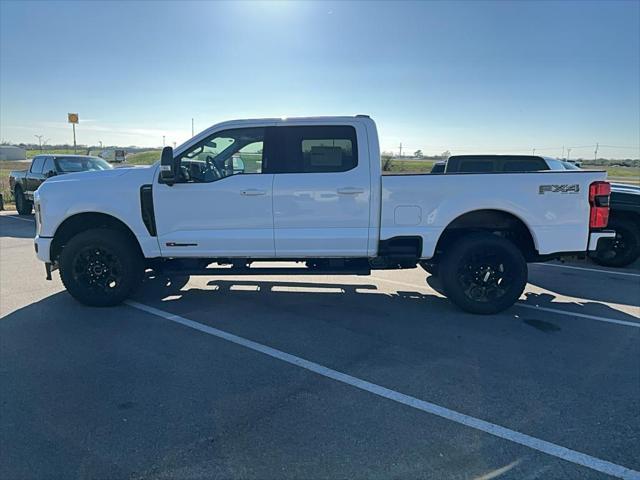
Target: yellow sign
(73, 118)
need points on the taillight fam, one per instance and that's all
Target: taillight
(599, 200)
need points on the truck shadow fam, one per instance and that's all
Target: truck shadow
(351, 304)
(546, 300)
(599, 287)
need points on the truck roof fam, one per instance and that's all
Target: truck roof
(296, 119)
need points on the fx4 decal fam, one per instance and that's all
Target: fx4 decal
(542, 189)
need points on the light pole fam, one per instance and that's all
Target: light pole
(568, 153)
(39, 137)
(100, 142)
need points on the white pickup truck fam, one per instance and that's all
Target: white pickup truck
(310, 190)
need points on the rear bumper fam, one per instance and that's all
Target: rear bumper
(43, 248)
(596, 238)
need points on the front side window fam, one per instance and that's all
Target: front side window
(226, 153)
(316, 149)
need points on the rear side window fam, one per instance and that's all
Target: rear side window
(317, 149)
(37, 164)
(475, 166)
(532, 165)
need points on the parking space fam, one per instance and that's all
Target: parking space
(356, 377)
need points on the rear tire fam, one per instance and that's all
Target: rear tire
(483, 273)
(625, 248)
(101, 267)
(23, 205)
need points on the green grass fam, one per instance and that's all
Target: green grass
(409, 166)
(144, 158)
(624, 172)
(615, 173)
(57, 151)
(5, 168)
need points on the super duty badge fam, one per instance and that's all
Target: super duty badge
(575, 188)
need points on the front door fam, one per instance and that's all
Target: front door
(222, 204)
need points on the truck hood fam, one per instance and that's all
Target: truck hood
(95, 175)
(111, 192)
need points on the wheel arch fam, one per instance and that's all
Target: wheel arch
(496, 221)
(81, 222)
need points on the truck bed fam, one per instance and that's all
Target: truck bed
(556, 215)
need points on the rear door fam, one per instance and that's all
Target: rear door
(321, 191)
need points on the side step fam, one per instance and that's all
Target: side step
(266, 271)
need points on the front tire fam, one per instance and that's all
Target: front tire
(23, 205)
(101, 267)
(624, 249)
(483, 273)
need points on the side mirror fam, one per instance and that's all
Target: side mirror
(168, 170)
(50, 173)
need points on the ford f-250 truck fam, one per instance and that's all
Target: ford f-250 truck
(310, 190)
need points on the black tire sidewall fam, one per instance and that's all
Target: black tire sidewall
(23, 206)
(118, 244)
(454, 257)
(631, 233)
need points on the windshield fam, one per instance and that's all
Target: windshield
(570, 166)
(81, 164)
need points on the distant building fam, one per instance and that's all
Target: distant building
(10, 152)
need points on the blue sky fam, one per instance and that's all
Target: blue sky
(465, 76)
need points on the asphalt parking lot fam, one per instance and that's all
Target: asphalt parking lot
(317, 377)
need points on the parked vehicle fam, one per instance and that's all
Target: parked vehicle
(114, 155)
(24, 182)
(310, 190)
(438, 167)
(501, 163)
(625, 220)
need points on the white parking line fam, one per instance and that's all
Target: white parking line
(18, 218)
(582, 315)
(540, 445)
(534, 307)
(599, 270)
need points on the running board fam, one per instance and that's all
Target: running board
(266, 271)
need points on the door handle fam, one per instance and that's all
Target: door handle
(350, 191)
(252, 192)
